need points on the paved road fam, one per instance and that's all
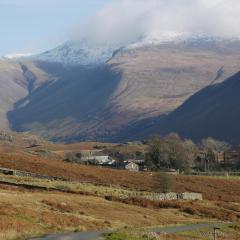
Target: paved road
(73, 236)
(97, 235)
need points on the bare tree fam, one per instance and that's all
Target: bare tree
(171, 152)
(215, 145)
(211, 147)
(157, 154)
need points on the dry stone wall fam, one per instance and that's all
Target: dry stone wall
(174, 196)
(13, 172)
(153, 196)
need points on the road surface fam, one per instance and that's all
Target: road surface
(74, 236)
(98, 235)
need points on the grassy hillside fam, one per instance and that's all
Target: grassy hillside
(93, 198)
(17, 80)
(87, 208)
(37, 213)
(214, 111)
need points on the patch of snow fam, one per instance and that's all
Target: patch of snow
(173, 37)
(81, 53)
(73, 53)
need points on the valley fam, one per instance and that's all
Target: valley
(119, 120)
(73, 197)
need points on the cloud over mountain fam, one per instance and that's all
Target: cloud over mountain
(125, 21)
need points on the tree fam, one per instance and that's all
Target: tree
(176, 151)
(215, 145)
(191, 155)
(153, 156)
(165, 181)
(182, 152)
(211, 147)
(171, 152)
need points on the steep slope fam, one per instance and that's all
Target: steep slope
(214, 111)
(12, 88)
(158, 78)
(137, 83)
(17, 80)
(75, 105)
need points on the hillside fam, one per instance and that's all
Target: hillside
(213, 111)
(212, 188)
(12, 88)
(74, 53)
(136, 84)
(18, 80)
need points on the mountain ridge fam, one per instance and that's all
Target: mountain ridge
(73, 53)
(214, 111)
(134, 85)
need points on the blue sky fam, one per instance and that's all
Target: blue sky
(36, 25)
(30, 26)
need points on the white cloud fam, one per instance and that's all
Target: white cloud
(124, 21)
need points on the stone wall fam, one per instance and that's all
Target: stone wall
(153, 196)
(13, 172)
(174, 196)
(190, 196)
(162, 196)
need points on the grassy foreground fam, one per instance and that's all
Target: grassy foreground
(225, 232)
(25, 213)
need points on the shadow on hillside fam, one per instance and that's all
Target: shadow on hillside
(79, 98)
(212, 112)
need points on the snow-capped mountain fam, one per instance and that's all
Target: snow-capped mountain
(75, 53)
(82, 53)
(151, 79)
(177, 38)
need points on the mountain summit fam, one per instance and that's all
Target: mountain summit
(77, 53)
(73, 53)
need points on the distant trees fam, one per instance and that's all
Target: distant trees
(210, 148)
(214, 145)
(173, 152)
(170, 152)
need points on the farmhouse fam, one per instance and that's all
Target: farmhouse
(98, 157)
(231, 157)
